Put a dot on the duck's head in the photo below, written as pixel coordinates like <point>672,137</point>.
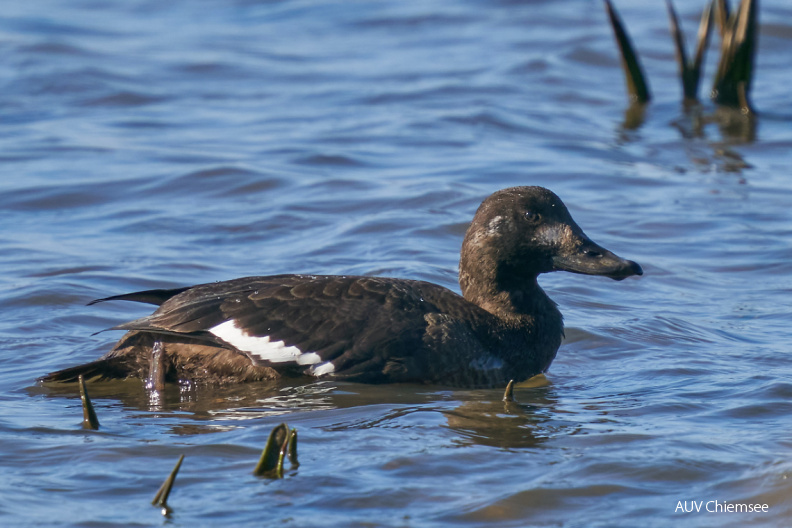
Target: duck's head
<point>520,232</point>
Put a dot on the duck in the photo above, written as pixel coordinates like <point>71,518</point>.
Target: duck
<point>371,329</point>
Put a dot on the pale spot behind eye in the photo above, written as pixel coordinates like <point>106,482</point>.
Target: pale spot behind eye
<point>494,225</point>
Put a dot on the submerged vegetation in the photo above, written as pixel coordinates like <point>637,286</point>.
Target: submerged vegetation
<point>90,421</point>
<point>281,442</point>
<point>161,498</point>
<point>733,77</point>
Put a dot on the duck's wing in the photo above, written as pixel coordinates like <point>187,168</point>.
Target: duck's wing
<point>321,324</point>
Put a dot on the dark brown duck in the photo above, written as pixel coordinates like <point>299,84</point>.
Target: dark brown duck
<point>375,329</point>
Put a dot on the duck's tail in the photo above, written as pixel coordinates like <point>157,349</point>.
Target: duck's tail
<point>126,359</point>
<point>156,297</point>
<point>101,369</point>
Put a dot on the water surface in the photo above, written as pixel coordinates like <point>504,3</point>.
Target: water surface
<point>150,144</point>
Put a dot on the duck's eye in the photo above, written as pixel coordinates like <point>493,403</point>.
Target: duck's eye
<point>532,217</point>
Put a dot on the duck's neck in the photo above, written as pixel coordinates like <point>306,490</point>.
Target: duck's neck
<point>530,319</point>
<point>506,289</point>
<point>518,301</point>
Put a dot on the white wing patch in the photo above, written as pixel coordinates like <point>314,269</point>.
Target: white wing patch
<point>267,350</point>
<point>321,370</point>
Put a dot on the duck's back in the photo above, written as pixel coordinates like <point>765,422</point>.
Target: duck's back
<point>367,329</point>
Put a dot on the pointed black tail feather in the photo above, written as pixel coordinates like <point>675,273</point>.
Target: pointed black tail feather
<point>156,297</point>
<point>102,369</point>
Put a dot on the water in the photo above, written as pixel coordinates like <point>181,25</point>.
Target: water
<point>159,144</point>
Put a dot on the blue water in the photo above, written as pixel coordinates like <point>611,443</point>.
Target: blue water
<point>161,144</point>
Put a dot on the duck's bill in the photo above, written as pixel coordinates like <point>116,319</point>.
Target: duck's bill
<point>592,259</point>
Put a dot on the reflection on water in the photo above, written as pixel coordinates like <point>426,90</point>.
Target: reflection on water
<point>696,125</point>
<point>479,417</point>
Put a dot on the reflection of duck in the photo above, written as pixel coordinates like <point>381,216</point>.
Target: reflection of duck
<point>473,416</point>
<point>484,419</point>
<point>373,329</point>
